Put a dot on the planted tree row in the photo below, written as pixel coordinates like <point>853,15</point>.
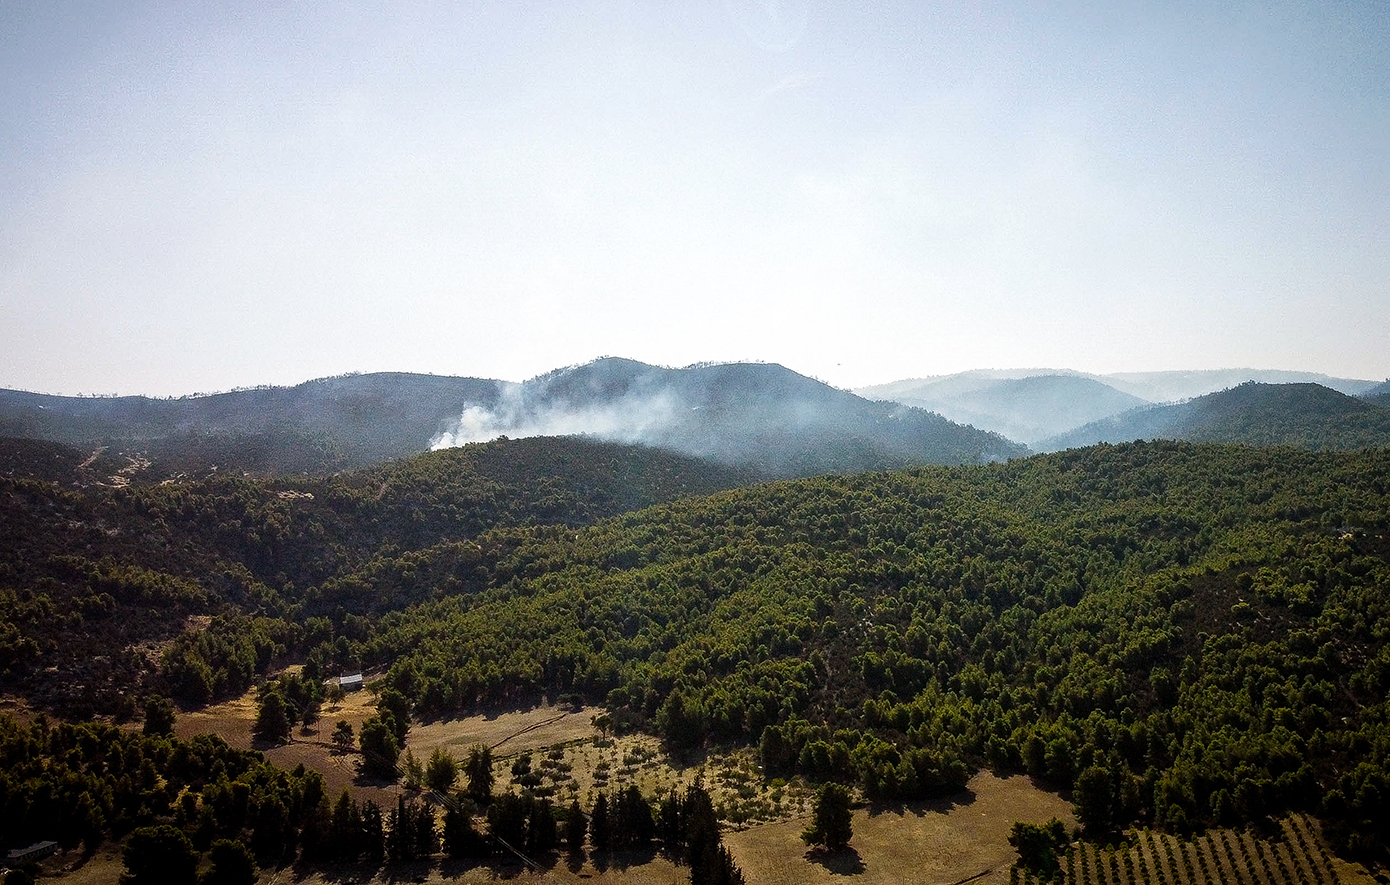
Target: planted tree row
<point>1297,856</point>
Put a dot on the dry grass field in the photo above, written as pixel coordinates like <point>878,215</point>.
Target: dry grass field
<point>232,721</point>
<point>950,842</point>
<point>572,757</point>
<point>933,842</point>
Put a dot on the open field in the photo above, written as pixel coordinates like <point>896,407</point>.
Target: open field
<point>232,721</point>
<point>568,753</point>
<point>948,842</point>
<point>965,837</point>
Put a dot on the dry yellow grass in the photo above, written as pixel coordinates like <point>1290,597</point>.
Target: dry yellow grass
<point>508,733</point>
<point>932,842</point>
<point>232,721</point>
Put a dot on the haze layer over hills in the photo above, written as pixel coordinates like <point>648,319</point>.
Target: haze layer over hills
<point>1121,621</point>
<point>1308,416</point>
<point>1034,406</point>
<point>759,416</point>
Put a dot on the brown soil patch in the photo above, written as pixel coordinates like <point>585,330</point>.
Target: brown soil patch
<point>311,746</point>
<point>941,842</point>
<point>507,733</point>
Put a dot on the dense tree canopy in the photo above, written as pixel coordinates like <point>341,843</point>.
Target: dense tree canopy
<point>1183,634</point>
<point>1199,630</point>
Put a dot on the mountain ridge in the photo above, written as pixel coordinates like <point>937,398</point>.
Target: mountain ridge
<point>1304,415</point>
<point>758,415</point>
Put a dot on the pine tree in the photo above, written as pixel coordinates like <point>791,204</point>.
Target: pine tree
<point>400,836</point>
<point>343,738</point>
<point>541,835</point>
<point>442,771</point>
<point>669,823</point>
<point>272,718</point>
<point>700,824</point>
<point>231,865</point>
<point>413,771</point>
<point>631,821</point>
<point>599,832</point>
<point>424,829</point>
<point>831,822</point>
<point>315,830</point>
<point>373,836</point>
<point>460,837</point>
<point>478,770</point>
<point>507,819</point>
<point>345,831</point>
<point>576,828</point>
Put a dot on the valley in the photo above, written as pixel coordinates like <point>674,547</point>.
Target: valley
<point>1177,648</point>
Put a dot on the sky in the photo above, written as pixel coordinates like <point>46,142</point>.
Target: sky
<point>198,197</point>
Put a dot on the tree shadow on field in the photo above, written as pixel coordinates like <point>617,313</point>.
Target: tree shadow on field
<point>574,861</point>
<point>923,807</point>
<point>624,858</point>
<point>339,873</point>
<point>845,862</point>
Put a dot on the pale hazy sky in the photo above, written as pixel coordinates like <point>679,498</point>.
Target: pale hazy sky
<point>195,197</point>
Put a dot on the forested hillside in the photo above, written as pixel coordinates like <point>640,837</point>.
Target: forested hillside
<point>317,426</point>
<point>756,415</point>
<point>1305,415</point>
<point>751,416</point>
<point>1181,634</point>
<point>1378,395</point>
<point>93,575</point>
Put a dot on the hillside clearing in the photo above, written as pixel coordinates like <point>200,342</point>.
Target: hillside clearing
<point>944,842</point>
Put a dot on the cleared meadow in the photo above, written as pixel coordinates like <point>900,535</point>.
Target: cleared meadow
<point>963,839</point>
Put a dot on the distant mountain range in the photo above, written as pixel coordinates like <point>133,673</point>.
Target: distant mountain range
<point>1026,409</point>
<point>749,415</point>
<point>756,417</point>
<point>1041,407</point>
<point>1308,416</point>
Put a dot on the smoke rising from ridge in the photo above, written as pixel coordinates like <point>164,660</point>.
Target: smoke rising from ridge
<point>643,418</point>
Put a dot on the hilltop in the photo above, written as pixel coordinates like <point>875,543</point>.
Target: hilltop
<point>1028,409</point>
<point>1304,415</point>
<point>1036,406</point>
<point>755,416</point>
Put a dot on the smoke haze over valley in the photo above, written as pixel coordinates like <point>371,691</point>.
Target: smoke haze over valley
<point>755,416</point>
<point>804,543</point>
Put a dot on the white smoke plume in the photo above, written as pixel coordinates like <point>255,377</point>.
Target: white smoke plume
<point>634,418</point>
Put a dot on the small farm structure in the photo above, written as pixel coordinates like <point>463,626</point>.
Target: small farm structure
<point>36,852</point>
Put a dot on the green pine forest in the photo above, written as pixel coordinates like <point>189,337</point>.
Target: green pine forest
<point>1181,635</point>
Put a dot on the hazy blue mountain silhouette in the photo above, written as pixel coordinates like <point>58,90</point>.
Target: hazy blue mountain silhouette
<point>754,415</point>
<point>330,423</point>
<point>1305,415</point>
<point>1027,409</point>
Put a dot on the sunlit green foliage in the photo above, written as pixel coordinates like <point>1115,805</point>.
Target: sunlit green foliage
<point>1186,634</point>
<point>1204,627</point>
